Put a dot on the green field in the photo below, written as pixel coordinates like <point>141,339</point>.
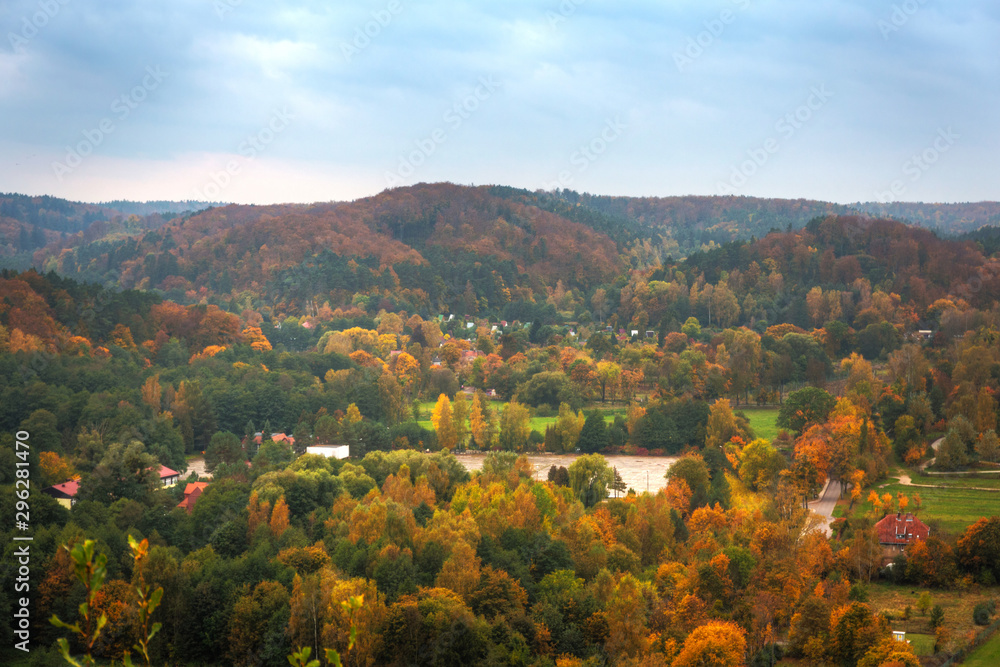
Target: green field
<point>957,481</point>
<point>763,421</point>
<point>986,655</point>
<point>922,644</point>
<point>955,508</point>
<point>537,423</point>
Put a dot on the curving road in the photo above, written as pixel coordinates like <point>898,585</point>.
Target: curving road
<point>930,461</point>
<point>825,503</point>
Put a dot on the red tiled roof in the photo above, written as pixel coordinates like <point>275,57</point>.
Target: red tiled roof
<point>192,492</point>
<point>167,472</point>
<point>276,437</point>
<point>70,488</point>
<point>901,529</point>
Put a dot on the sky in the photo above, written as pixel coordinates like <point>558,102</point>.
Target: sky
<point>254,101</point>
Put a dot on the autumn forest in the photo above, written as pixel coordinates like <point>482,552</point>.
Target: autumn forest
<point>354,398</point>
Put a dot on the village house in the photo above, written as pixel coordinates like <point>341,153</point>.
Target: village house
<point>192,492</point>
<point>169,477</point>
<point>897,531</point>
<point>65,493</point>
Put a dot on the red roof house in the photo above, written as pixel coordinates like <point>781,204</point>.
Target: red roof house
<point>169,477</point>
<point>896,531</point>
<point>192,492</point>
<point>258,438</point>
<point>65,493</point>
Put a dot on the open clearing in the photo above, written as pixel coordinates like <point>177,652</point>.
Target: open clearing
<point>635,470</point>
<point>763,421</point>
<point>957,606</point>
<point>954,508</point>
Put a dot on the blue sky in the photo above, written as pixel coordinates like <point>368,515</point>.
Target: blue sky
<point>258,102</point>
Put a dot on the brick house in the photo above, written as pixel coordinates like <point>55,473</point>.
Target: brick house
<point>897,531</point>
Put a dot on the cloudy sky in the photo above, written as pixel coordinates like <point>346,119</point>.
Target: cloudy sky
<point>258,101</point>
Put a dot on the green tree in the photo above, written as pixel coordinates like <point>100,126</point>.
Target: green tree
<point>694,472</point>
<point>590,476</point>
<point>223,448</point>
<point>515,427</point>
<point>691,328</point>
<point>810,405</point>
<point>594,434</point>
<point>460,417</point>
<point>126,471</point>
<point>760,465</point>
<point>303,438</point>
<point>951,453</point>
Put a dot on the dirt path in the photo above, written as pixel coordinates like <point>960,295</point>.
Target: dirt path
<point>930,461</point>
<point>906,480</point>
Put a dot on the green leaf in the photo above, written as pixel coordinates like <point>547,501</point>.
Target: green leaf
<point>64,652</point>
<point>333,657</point>
<point>56,621</point>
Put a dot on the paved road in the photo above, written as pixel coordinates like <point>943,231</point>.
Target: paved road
<point>825,504</point>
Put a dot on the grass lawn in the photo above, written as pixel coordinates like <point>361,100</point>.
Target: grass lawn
<point>922,644</point>
<point>955,508</point>
<point>537,423</point>
<point>956,603</point>
<point>958,481</point>
<point>986,655</point>
<point>763,421</point>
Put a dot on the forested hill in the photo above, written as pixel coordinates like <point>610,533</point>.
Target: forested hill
<point>944,218</point>
<point>468,250</point>
<point>428,247</point>
<point>29,223</point>
<point>691,222</point>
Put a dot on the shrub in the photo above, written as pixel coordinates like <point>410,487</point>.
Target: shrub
<point>982,612</point>
<point>937,616</point>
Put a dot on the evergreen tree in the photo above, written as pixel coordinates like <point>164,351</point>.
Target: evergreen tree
<point>594,435</point>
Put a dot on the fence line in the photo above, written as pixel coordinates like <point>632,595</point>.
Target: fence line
<point>981,637</point>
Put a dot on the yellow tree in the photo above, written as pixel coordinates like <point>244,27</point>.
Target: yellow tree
<point>721,424</point>
<point>608,375</point>
<point>568,426</point>
<point>460,417</point>
<point>444,423</point>
<point>717,643</point>
<point>481,422</point>
<point>461,572</point>
<point>257,340</point>
<point>279,517</point>
<point>55,469</point>
<point>515,427</point>
<point>407,369</point>
<point>151,393</point>
<point>353,415</point>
